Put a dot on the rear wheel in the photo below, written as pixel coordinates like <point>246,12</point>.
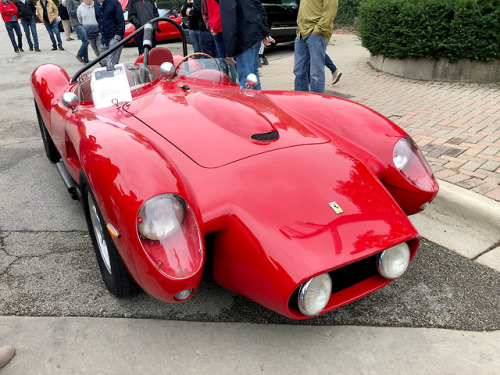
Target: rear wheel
<point>113,271</point>
<point>48,144</point>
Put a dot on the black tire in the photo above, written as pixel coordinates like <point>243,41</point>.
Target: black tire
<point>48,144</point>
<point>113,271</point>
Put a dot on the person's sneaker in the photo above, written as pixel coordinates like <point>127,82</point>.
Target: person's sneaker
<point>17,52</point>
<point>6,354</point>
<point>263,60</point>
<point>62,49</point>
<point>37,50</point>
<point>69,39</point>
<point>54,48</point>
<point>80,59</point>
<point>31,48</point>
<point>336,76</point>
<point>21,50</point>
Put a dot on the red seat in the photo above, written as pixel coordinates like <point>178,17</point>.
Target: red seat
<point>159,55</point>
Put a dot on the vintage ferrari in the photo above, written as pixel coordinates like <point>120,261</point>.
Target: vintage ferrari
<point>298,201</point>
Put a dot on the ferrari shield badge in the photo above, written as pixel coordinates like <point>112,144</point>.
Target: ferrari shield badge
<point>336,208</point>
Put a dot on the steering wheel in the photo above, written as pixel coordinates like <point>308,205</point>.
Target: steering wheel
<point>185,58</point>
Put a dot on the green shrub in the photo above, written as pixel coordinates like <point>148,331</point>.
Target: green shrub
<point>456,29</point>
<point>348,9</point>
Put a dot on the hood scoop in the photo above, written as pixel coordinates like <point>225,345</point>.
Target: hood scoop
<point>270,136</point>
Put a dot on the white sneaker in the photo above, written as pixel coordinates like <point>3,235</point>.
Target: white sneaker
<point>336,76</point>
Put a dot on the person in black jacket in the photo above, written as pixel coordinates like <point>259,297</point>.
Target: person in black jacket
<point>109,16</point>
<point>194,15</point>
<point>139,13</point>
<point>244,27</point>
<point>27,15</point>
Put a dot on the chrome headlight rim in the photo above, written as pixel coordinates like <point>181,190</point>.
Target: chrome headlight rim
<point>304,294</point>
<point>398,253</point>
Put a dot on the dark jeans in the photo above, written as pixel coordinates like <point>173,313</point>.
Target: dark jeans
<point>329,63</point>
<point>219,43</point>
<point>207,44</point>
<point>53,28</point>
<point>194,37</point>
<point>27,26</point>
<point>13,26</point>
<point>83,52</point>
<point>139,40</point>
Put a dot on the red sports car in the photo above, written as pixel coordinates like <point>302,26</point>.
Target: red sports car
<point>298,201</point>
<point>166,31</point>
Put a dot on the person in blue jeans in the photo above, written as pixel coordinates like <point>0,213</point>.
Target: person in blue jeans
<point>48,14</point>
<point>314,30</point>
<point>244,28</point>
<point>193,12</point>
<point>27,14</point>
<point>9,16</point>
<point>83,53</point>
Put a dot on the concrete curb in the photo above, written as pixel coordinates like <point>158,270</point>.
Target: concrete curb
<point>145,346</point>
<point>464,221</point>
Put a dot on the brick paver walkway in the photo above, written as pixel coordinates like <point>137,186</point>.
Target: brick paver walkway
<point>456,125</point>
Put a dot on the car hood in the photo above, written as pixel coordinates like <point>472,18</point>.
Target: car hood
<point>218,127</point>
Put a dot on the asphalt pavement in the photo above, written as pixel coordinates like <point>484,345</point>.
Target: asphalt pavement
<point>442,316</point>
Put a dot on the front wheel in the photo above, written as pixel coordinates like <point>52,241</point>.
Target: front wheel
<point>48,144</point>
<point>113,271</point>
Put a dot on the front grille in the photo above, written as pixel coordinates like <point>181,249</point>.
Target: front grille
<point>347,276</point>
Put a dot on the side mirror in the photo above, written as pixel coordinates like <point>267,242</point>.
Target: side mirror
<point>251,81</point>
<point>168,70</point>
<point>70,100</point>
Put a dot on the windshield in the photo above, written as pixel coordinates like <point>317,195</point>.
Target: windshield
<point>217,70</point>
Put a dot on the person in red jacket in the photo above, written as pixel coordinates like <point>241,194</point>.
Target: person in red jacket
<point>9,16</point>
<point>210,10</point>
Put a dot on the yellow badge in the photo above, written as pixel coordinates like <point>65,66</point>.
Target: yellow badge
<point>336,208</point>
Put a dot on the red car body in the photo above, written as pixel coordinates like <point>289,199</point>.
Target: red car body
<point>260,172</point>
<point>166,31</point>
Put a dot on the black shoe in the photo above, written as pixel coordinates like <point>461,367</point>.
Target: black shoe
<point>31,48</point>
<point>80,59</point>
<point>20,49</point>
<point>54,48</point>
<point>263,60</point>
<point>37,50</point>
<point>62,49</point>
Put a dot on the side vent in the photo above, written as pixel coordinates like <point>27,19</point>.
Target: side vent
<point>271,136</point>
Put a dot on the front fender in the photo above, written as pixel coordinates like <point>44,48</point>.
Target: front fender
<point>124,170</point>
<point>48,82</point>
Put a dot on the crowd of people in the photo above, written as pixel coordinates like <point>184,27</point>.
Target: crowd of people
<point>233,29</point>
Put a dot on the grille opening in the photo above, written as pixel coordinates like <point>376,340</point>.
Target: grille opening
<point>347,276</point>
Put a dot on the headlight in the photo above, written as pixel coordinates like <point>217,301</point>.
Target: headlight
<point>160,217</point>
<point>315,294</point>
<point>171,237</point>
<point>412,164</point>
<point>394,261</point>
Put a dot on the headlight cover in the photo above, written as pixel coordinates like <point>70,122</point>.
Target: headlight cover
<point>170,235</point>
<point>160,217</point>
<point>394,261</point>
<point>315,294</point>
<point>410,162</point>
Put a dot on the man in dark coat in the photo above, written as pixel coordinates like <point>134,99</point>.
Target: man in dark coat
<point>27,15</point>
<point>109,15</point>
<point>244,27</point>
<point>141,12</point>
